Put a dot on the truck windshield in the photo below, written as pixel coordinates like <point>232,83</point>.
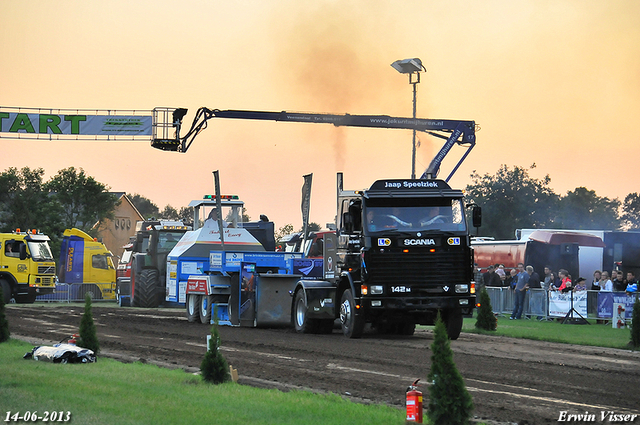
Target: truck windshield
<point>40,251</point>
<point>415,215</point>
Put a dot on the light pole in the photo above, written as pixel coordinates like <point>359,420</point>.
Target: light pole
<point>412,67</point>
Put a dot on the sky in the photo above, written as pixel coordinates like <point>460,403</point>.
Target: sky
<point>555,83</point>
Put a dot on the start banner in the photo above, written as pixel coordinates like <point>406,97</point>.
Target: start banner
<point>73,124</point>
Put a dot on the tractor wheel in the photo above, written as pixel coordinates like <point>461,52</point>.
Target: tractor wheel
<point>146,292</point>
<point>453,321</point>
<point>205,308</point>
<point>352,323</point>
<point>6,290</point>
<point>193,305</point>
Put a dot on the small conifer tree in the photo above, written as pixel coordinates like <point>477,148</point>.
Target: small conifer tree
<point>635,325</point>
<point>486,319</point>
<point>88,337</point>
<point>4,324</point>
<point>214,367</point>
<point>449,401</point>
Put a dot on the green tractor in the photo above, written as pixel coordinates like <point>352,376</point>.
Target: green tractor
<point>154,240</point>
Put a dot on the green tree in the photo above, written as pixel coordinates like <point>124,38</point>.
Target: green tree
<point>631,211</point>
<point>449,400</point>
<point>4,323</point>
<point>186,215</point>
<point>84,202</point>
<point>486,319</point>
<point>169,213</point>
<point>24,202</point>
<point>144,205</point>
<point>88,336</point>
<point>214,367</point>
<point>283,231</point>
<point>583,209</point>
<point>511,199</point>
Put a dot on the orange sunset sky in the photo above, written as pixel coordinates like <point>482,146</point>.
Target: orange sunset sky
<point>551,82</point>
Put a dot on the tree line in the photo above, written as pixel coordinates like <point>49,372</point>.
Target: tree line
<point>511,199</point>
<point>69,199</point>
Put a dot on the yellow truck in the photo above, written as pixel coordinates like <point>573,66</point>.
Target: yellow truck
<point>27,267</point>
<point>86,267</point>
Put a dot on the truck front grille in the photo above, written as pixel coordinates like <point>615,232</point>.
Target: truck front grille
<point>418,269</point>
<point>46,270</point>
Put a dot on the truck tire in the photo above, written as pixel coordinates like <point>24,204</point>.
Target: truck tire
<point>146,292</point>
<point>6,290</point>
<point>453,322</point>
<point>193,306</point>
<point>406,328</point>
<point>92,290</point>
<point>29,298</point>
<point>352,323</point>
<point>300,320</point>
<point>205,308</point>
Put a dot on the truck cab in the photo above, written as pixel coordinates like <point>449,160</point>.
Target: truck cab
<point>404,255</point>
<point>27,267</point>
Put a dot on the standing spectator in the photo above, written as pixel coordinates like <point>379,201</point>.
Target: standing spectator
<point>632,283</point>
<point>520,291</point>
<point>614,275</point>
<point>490,278</point>
<point>605,282</point>
<point>534,278</point>
<point>619,285</point>
<point>553,282</point>
<point>580,284</point>
<point>548,278</point>
<point>595,284</point>
<point>500,270</point>
<point>565,280</point>
<point>512,279</point>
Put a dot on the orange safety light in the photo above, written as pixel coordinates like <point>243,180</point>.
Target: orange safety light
<point>364,289</point>
<point>432,250</point>
<point>33,231</point>
<point>473,288</point>
<point>18,230</point>
<point>405,250</point>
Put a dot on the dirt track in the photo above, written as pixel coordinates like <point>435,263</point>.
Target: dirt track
<point>510,380</point>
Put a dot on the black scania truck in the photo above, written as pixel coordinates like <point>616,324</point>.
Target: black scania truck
<point>403,254</point>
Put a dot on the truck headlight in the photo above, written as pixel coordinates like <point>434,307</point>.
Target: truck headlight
<point>462,288</point>
<point>464,302</point>
<point>376,289</point>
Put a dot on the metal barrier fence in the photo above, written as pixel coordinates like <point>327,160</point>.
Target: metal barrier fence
<point>543,305</point>
<point>73,292</point>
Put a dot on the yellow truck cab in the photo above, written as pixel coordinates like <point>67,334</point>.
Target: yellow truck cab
<point>27,267</point>
<point>86,265</point>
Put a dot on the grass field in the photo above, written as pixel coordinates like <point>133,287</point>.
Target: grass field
<point>109,392</point>
<point>595,334</point>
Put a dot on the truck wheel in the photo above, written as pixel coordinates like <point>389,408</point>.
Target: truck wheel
<point>453,322</point>
<point>146,292</point>
<point>6,291</point>
<point>352,324</point>
<point>406,328</point>
<point>193,304</point>
<point>29,298</point>
<point>205,308</point>
<point>92,290</point>
<point>300,320</point>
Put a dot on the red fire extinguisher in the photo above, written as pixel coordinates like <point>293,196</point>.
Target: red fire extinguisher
<point>414,403</point>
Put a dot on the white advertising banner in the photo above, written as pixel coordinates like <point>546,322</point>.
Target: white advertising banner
<point>560,303</point>
<point>75,124</point>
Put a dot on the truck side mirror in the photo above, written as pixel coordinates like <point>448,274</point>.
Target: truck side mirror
<point>23,252</point>
<point>477,216</point>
